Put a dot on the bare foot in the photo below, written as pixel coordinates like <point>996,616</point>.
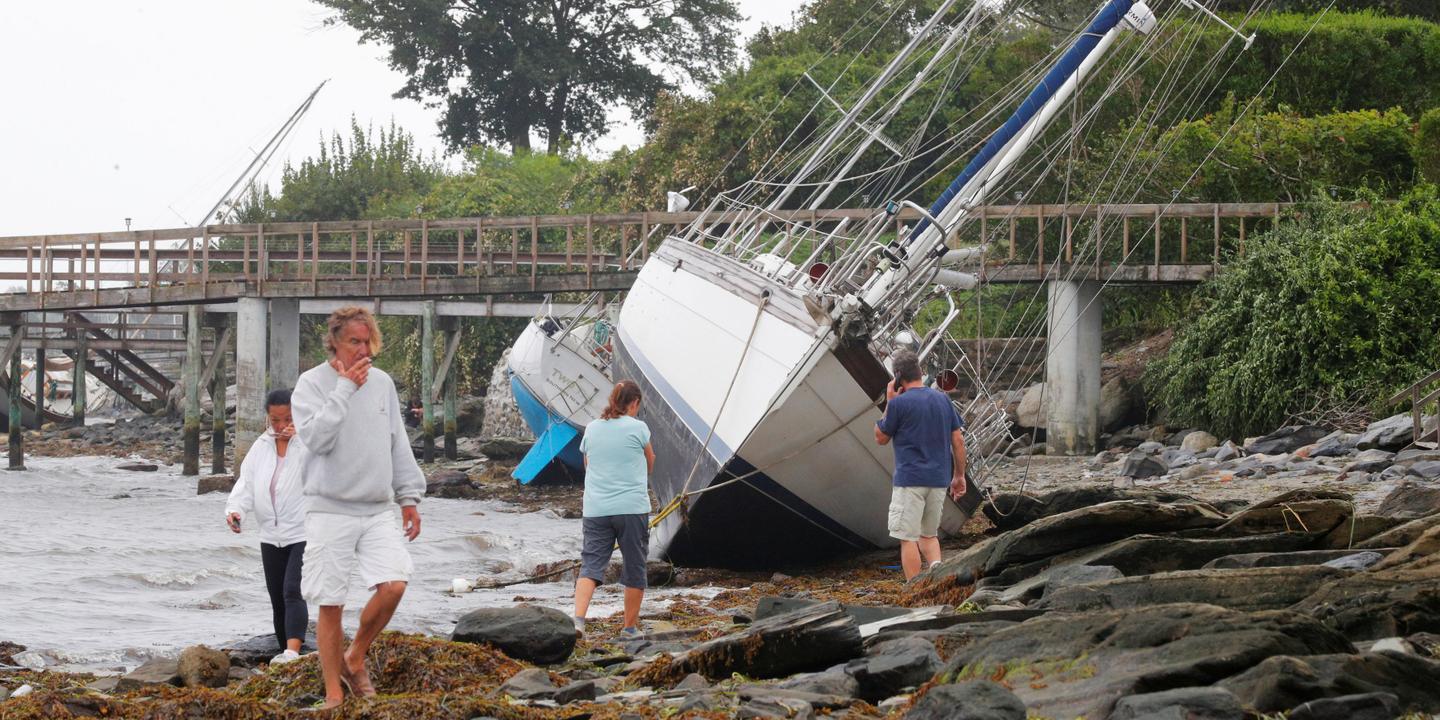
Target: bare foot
<point>356,677</point>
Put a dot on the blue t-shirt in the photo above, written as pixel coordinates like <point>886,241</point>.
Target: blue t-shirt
<point>919,422</point>
<point>616,480</point>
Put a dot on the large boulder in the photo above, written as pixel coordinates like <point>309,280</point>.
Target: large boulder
<point>1282,559</point>
<point>1198,442</point>
<point>1369,461</point>
<point>1424,549</point>
<point>1311,512</point>
<point>804,640</point>
<point>1392,433</point>
<point>1114,405</point>
<point>1281,683</point>
<point>1082,664</point>
<point>1073,530</point>
<point>1013,510</point>
<point>972,700</point>
<point>155,671</point>
<point>1269,588</point>
<point>1378,604</point>
<point>1139,464</point>
<point>1147,555</point>
<point>255,651</point>
<point>1286,440</point>
<point>1367,706</point>
<point>1031,413</point>
<point>531,633</point>
<point>1336,444</point>
<point>1192,703</point>
<point>1411,499</point>
<point>892,666</point>
<point>450,483</point>
<point>201,666</point>
<point>530,684</point>
<point>214,484</point>
<point>1400,535</point>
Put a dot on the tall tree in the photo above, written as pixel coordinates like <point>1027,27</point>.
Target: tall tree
<point>502,69</point>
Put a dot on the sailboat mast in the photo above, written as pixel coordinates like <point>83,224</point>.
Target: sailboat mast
<point>821,150</point>
<point>1012,139</point>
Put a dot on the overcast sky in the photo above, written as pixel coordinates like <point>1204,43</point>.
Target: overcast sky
<point>149,109</point>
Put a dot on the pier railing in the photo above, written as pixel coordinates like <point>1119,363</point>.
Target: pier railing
<point>1028,244</point>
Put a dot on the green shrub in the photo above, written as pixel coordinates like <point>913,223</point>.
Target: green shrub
<point>1427,146</point>
<point>1334,305</point>
<point>1277,156</point>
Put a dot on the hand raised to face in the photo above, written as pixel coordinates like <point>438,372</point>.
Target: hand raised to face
<point>356,373</point>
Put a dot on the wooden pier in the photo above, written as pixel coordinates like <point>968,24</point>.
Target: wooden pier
<point>245,285</point>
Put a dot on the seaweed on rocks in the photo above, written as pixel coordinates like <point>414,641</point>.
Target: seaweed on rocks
<point>399,665</point>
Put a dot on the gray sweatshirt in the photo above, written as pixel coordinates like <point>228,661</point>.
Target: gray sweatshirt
<point>360,458</point>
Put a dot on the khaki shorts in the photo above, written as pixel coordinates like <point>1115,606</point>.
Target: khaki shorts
<point>915,512</point>
<point>337,546</point>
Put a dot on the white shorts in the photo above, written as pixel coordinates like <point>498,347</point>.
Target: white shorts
<point>915,512</point>
<point>338,545</point>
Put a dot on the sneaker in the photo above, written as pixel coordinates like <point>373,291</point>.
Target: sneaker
<point>579,623</point>
<point>285,657</point>
<point>631,633</point>
<point>935,564</point>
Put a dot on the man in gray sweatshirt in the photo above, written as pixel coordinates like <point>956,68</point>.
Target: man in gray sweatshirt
<point>348,414</point>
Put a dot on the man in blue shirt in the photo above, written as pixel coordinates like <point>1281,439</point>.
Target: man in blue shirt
<point>929,457</point>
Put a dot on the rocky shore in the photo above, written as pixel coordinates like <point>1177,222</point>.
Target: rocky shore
<point>1093,601</point>
<point>1293,575</point>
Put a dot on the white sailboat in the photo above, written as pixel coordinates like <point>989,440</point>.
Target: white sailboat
<point>764,367</point>
<point>559,370</point>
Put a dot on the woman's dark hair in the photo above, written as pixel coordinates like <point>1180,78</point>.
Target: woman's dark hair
<point>625,392</point>
<point>277,397</point>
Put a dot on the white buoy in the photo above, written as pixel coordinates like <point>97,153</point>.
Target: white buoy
<point>461,585</point>
<point>22,691</point>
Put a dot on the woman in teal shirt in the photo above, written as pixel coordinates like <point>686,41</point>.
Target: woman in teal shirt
<point>616,506</point>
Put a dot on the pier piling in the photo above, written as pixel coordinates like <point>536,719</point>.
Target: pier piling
<point>250,362</point>
<point>451,329</point>
<point>78,397</point>
<point>39,385</point>
<point>217,396</point>
<point>427,380</point>
<point>17,451</point>
<point>192,390</point>
<point>284,354</point>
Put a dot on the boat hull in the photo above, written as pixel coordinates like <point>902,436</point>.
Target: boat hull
<point>780,446</point>
<point>559,391</point>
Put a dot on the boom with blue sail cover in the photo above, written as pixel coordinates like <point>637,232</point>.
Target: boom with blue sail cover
<point>1013,137</point>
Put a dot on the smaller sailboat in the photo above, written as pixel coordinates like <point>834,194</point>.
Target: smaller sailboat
<point>559,370</point>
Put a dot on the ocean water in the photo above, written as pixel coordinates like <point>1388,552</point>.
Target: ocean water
<point>101,569</point>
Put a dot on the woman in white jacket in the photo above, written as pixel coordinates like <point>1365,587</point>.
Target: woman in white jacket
<point>270,485</point>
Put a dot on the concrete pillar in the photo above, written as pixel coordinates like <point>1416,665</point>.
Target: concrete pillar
<point>427,380</point>
<point>452,450</point>
<point>251,359</point>
<point>217,405</point>
<point>78,373</point>
<point>39,419</point>
<point>17,450</point>
<point>194,365</point>
<point>1072,368</point>
<point>284,353</point>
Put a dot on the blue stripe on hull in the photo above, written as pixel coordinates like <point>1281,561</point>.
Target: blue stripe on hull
<point>542,422</point>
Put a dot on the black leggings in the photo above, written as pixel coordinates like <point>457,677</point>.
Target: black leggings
<point>282,579</point>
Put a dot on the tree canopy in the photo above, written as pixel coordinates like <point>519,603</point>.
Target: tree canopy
<point>502,69</point>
